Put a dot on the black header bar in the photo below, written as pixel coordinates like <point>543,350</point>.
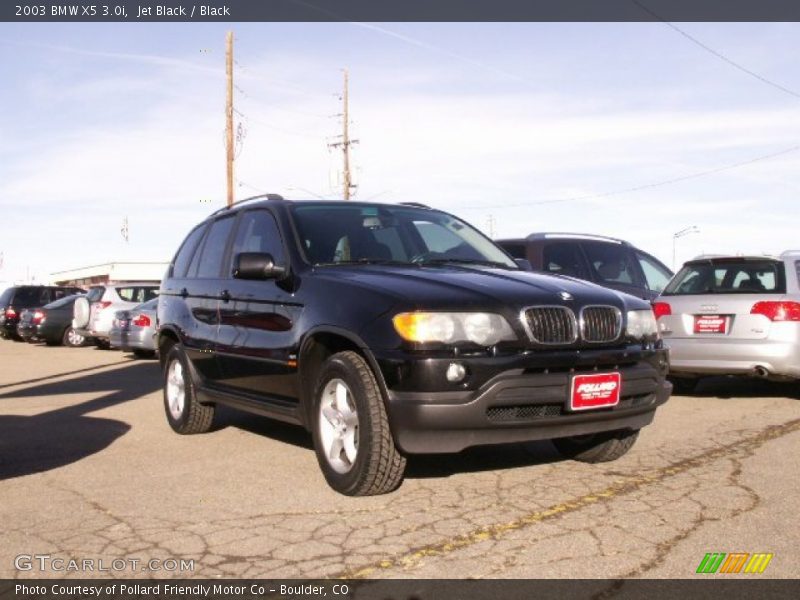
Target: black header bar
<point>143,11</point>
<point>711,586</point>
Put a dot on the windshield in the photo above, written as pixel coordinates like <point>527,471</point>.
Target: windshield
<point>335,233</point>
<point>729,276</point>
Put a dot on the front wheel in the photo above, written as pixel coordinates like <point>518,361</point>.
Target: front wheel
<point>184,413</point>
<point>597,447</point>
<point>352,439</point>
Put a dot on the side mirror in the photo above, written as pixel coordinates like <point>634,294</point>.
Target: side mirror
<point>524,264</point>
<point>256,265</point>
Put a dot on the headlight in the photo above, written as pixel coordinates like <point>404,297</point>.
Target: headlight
<point>484,329</point>
<point>642,324</point>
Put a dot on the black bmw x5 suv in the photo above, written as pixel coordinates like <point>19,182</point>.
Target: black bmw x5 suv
<point>389,330</point>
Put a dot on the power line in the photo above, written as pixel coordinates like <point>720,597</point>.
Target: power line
<point>645,186</point>
<point>719,55</point>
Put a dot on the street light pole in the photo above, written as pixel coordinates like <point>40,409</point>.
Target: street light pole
<point>680,234</point>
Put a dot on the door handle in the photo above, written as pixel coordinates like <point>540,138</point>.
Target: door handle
<point>183,293</point>
<point>225,295</point>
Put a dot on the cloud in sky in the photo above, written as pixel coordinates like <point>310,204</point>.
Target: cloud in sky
<point>477,119</point>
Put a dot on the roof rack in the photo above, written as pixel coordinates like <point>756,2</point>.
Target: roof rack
<point>415,204</point>
<point>243,200</point>
<point>580,236</point>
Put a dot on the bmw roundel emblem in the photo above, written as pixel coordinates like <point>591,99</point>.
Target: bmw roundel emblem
<point>565,296</point>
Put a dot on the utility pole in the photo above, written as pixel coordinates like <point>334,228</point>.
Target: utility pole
<point>229,114</point>
<point>491,226</point>
<point>346,141</point>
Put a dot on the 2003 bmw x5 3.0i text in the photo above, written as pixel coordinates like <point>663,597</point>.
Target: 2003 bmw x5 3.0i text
<point>389,330</point>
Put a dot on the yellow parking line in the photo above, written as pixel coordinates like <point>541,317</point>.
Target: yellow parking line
<point>618,488</point>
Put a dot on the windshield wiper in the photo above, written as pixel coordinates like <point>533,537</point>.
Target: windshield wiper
<point>466,261</point>
<point>367,261</point>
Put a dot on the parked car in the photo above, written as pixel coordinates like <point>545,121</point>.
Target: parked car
<point>134,330</point>
<point>389,330</point>
<point>28,323</point>
<point>19,297</point>
<point>609,262</point>
<point>51,324</point>
<point>94,314</point>
<point>733,315</point>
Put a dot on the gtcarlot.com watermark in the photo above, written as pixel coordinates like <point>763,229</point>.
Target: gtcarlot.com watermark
<point>59,564</point>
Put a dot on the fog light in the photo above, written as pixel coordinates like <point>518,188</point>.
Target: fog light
<point>455,372</point>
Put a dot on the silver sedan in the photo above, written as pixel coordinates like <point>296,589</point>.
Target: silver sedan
<point>133,330</point>
<point>733,315</point>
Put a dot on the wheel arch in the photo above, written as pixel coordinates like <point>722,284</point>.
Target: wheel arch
<point>166,336</point>
<point>317,346</point>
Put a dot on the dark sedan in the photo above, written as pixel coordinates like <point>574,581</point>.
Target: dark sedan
<point>53,324</point>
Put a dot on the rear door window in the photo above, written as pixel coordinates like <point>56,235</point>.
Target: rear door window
<point>611,263</point>
<point>184,256</point>
<point>564,258</point>
<point>729,276</point>
<point>58,293</point>
<point>210,265</point>
<point>5,298</point>
<point>31,296</point>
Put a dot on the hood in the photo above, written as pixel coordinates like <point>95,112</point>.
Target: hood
<point>458,287</point>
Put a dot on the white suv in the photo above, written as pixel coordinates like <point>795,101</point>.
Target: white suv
<point>93,314</point>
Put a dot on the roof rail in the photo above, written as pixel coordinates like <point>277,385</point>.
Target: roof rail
<point>243,200</point>
<point>580,236</point>
<point>415,204</point>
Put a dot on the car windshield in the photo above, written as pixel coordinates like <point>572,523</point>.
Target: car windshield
<point>137,293</point>
<point>337,233</point>
<point>729,276</point>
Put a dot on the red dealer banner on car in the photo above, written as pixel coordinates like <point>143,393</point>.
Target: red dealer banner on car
<point>710,324</point>
<point>595,391</point>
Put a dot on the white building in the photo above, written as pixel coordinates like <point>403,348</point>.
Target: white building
<point>113,272</point>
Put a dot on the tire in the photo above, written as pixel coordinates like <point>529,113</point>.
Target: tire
<point>352,439</point>
<point>684,385</point>
<point>72,338</point>
<point>184,413</point>
<point>597,447</point>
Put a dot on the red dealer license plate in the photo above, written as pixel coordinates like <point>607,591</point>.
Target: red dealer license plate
<point>595,391</point>
<point>710,324</point>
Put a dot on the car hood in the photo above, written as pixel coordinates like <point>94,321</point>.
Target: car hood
<point>450,287</point>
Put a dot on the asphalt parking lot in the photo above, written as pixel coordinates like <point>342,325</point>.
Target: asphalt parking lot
<point>89,469</point>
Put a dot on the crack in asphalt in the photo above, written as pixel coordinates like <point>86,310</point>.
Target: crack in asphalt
<point>412,558</point>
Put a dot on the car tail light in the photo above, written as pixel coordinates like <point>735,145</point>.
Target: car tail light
<point>142,321</point>
<point>103,304</point>
<point>10,313</point>
<point>662,309</point>
<point>38,315</point>
<point>777,311</point>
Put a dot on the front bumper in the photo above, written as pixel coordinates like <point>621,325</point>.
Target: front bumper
<point>524,404</point>
<point>709,356</point>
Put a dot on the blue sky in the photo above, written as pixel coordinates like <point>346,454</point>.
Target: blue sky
<point>538,125</point>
